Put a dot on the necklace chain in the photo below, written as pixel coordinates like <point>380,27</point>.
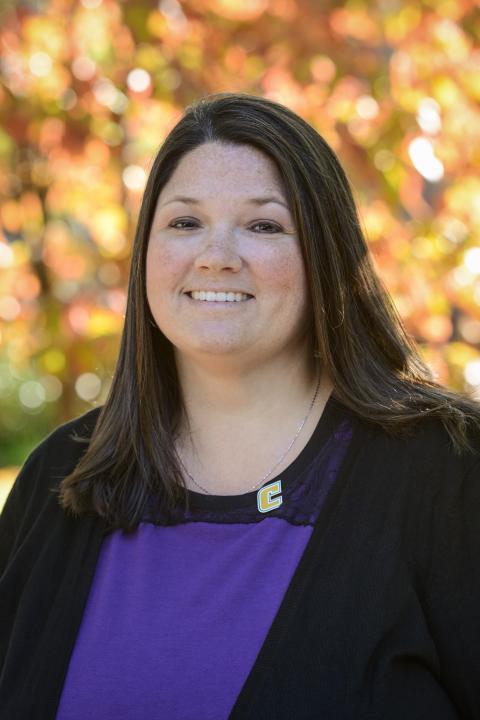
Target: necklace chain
<point>262,480</point>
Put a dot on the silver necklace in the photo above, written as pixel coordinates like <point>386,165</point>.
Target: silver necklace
<point>260,482</point>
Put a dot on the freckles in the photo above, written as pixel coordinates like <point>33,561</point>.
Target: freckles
<point>162,259</point>
<point>285,269</point>
<point>169,259</point>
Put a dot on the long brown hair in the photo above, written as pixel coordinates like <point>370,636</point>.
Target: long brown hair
<point>356,333</point>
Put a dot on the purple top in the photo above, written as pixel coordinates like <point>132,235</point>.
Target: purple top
<point>177,614</point>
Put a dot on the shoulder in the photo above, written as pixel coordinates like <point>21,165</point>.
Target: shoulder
<point>419,470</point>
<point>420,485</point>
<point>34,491</point>
<point>426,444</point>
<point>67,433</point>
<point>437,455</point>
<point>55,457</point>
<point>67,441</point>
<point>422,472</point>
<point>64,445</point>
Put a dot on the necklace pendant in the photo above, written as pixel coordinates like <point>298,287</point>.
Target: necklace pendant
<point>269,496</point>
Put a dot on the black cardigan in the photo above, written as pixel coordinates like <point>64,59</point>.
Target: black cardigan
<point>381,619</point>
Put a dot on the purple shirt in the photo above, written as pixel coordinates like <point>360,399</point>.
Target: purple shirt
<point>177,614</point>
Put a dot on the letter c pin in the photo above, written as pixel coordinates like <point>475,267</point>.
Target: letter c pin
<point>269,497</point>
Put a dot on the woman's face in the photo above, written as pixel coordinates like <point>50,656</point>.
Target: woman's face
<point>222,225</point>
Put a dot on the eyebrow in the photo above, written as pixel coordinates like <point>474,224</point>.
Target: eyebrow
<point>253,201</point>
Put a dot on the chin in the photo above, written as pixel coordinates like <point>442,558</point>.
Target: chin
<point>220,347</point>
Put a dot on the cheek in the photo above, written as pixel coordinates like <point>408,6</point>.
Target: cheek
<point>285,276</point>
<point>163,266</point>
<point>284,272</point>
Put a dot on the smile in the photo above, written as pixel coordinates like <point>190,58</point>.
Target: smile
<point>219,301</point>
<point>221,296</point>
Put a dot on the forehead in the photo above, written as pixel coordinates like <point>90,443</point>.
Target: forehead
<point>220,167</point>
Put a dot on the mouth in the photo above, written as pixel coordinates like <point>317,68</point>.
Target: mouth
<point>219,298</point>
<point>219,303</point>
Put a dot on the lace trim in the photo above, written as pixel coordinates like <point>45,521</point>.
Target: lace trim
<point>303,497</point>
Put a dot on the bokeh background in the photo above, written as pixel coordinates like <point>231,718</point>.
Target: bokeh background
<point>88,91</point>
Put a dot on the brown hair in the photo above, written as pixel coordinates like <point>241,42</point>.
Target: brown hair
<point>356,333</point>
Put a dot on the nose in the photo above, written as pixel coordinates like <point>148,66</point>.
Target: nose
<point>219,252</point>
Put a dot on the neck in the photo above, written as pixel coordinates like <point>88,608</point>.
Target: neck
<point>239,423</point>
<point>243,396</point>
<point>230,412</point>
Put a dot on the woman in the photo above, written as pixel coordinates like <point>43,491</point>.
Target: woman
<point>276,512</point>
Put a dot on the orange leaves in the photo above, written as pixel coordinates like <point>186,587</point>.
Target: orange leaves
<point>356,22</point>
<point>108,226</point>
<point>89,90</point>
<point>87,320</point>
<point>43,33</point>
<point>65,257</point>
<point>239,10</point>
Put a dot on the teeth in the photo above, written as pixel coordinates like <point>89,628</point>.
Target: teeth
<point>218,296</point>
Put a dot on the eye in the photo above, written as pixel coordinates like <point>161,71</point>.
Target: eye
<point>185,222</point>
<point>266,226</point>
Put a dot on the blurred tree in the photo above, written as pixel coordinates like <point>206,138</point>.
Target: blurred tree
<point>88,91</point>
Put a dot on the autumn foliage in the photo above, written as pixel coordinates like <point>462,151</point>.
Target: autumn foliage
<point>88,91</point>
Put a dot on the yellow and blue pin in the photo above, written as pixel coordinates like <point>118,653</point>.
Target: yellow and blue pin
<point>269,496</point>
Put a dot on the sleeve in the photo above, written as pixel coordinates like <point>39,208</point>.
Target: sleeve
<point>452,582</point>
